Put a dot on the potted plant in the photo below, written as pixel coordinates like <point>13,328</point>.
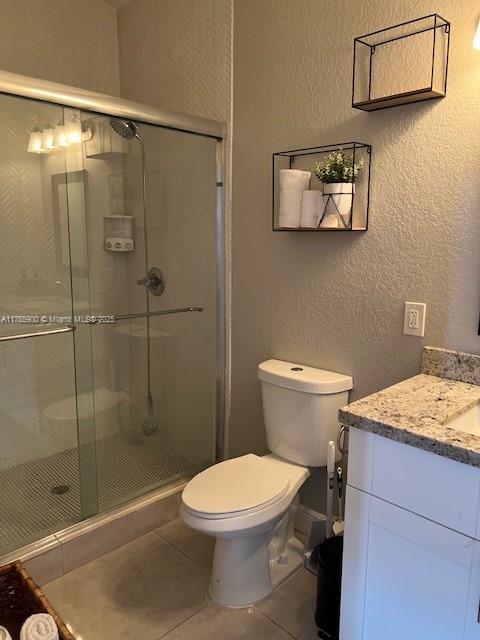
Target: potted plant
<point>338,173</point>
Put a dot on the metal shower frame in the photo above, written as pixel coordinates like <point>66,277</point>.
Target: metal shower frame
<point>90,101</point>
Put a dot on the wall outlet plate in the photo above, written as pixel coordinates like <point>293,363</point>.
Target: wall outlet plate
<point>414,319</point>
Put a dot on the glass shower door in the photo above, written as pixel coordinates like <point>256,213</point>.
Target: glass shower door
<point>181,181</point>
<point>118,395</point>
<point>39,455</point>
<point>152,192</point>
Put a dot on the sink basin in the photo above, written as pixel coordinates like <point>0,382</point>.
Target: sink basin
<point>468,422</point>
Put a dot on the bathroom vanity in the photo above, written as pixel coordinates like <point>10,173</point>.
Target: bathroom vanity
<point>411,566</point>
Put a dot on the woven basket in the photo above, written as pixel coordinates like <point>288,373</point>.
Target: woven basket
<point>21,597</point>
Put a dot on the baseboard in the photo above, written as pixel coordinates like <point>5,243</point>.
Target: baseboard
<point>305,517</point>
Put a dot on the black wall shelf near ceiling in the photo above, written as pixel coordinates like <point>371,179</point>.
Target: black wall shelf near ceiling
<point>313,206</point>
<point>401,64</point>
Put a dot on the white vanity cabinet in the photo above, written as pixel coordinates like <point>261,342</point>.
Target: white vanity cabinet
<point>411,566</point>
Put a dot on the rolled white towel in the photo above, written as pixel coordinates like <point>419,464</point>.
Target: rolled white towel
<point>294,180</point>
<point>40,626</point>
<point>4,635</point>
<point>310,211</point>
<point>289,214</point>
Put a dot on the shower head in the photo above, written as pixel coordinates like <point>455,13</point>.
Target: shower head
<point>125,128</point>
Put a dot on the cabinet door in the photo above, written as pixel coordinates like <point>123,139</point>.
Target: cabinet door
<point>472,626</point>
<point>403,576</point>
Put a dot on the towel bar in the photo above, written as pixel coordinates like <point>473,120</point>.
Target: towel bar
<point>37,334</point>
<point>149,314</point>
<point>127,316</point>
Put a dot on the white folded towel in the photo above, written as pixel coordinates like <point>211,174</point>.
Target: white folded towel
<point>4,635</point>
<point>40,626</point>
<point>294,179</point>
<point>293,183</point>
<point>310,211</point>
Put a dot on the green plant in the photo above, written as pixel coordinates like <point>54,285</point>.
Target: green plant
<point>337,167</point>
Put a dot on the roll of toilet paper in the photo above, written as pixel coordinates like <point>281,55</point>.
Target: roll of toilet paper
<point>310,209</point>
<point>290,204</point>
<point>294,180</point>
<point>293,183</point>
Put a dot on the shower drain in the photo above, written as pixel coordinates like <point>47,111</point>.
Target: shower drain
<point>60,489</point>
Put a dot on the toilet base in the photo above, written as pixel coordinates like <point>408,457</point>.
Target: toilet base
<point>243,574</point>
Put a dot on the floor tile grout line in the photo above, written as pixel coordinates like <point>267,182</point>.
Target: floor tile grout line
<point>174,546</point>
<point>165,635</point>
<point>276,624</point>
<point>182,622</point>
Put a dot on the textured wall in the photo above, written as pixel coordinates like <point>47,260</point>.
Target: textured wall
<point>177,54</point>
<point>336,300</point>
<point>69,41</point>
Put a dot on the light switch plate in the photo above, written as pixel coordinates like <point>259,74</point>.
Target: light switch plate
<point>414,319</point>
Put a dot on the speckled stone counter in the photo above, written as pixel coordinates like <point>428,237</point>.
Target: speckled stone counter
<point>454,365</point>
<point>416,411</point>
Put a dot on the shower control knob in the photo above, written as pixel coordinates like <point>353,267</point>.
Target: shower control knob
<point>154,281</point>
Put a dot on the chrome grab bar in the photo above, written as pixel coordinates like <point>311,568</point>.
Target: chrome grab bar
<point>37,334</point>
<point>149,314</point>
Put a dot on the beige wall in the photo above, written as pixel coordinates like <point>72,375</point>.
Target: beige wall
<point>69,41</point>
<point>336,300</point>
<point>177,54</point>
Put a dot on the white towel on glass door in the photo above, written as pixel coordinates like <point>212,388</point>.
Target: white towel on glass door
<point>293,183</point>
<point>4,635</point>
<point>40,626</point>
<point>310,209</point>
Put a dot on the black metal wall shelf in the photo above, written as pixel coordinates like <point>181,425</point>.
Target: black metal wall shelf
<point>401,64</point>
<point>339,206</point>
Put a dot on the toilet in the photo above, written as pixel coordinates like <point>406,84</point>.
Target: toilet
<point>248,503</point>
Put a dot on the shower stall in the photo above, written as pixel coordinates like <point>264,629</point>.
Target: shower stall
<point>111,280</point>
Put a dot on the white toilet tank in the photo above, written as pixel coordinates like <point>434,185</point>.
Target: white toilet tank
<point>300,409</point>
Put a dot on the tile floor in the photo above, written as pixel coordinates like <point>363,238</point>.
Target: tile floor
<point>157,587</point>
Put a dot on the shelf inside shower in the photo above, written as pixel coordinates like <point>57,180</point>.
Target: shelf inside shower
<point>30,509</point>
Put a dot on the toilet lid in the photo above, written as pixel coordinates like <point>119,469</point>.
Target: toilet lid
<point>241,484</point>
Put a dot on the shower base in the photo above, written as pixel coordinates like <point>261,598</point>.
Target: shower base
<point>125,468</point>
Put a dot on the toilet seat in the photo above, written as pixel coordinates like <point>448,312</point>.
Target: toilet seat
<point>236,487</point>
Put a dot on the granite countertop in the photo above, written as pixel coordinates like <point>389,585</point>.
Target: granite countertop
<point>416,411</point>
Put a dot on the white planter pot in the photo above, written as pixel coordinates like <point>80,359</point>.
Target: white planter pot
<point>339,200</point>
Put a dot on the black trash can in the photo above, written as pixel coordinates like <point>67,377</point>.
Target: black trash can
<point>327,615</point>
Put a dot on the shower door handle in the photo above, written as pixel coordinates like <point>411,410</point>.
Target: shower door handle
<point>154,281</point>
<point>145,314</point>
